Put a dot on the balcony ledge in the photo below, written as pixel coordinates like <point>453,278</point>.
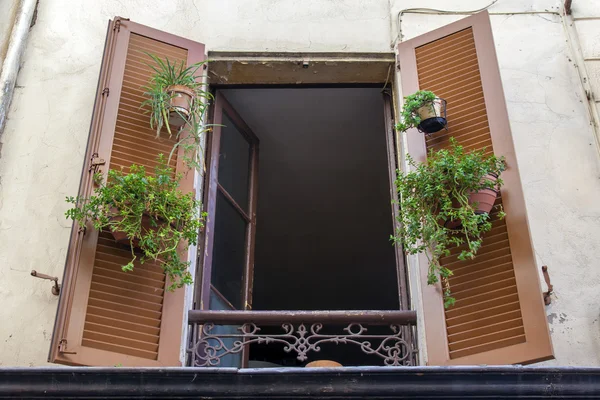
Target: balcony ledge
<point>299,383</point>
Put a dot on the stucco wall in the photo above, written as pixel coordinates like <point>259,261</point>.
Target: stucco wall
<point>46,133</point>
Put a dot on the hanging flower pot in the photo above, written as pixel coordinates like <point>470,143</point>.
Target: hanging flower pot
<point>148,224</point>
<point>482,201</point>
<point>146,211</point>
<point>171,93</point>
<point>423,110</point>
<point>432,116</point>
<point>180,104</point>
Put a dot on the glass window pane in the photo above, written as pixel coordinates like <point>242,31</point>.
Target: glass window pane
<point>234,162</point>
<point>229,252</point>
<point>229,360</point>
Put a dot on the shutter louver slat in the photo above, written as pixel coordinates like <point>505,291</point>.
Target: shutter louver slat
<point>498,344</point>
<point>443,66</point>
<point>467,318</point>
<point>107,343</point>
<point>481,272</point>
<point>128,325</point>
<point>475,332</point>
<point>124,276</point>
<point>107,308</point>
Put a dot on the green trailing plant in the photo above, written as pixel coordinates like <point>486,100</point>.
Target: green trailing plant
<point>409,117</point>
<point>123,202</point>
<point>437,191</point>
<point>168,73</point>
<point>191,140</point>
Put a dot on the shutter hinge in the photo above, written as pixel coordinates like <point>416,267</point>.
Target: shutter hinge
<point>95,162</point>
<point>105,91</point>
<point>117,23</point>
<point>62,347</point>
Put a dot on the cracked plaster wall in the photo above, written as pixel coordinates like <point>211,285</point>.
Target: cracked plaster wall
<point>45,137</point>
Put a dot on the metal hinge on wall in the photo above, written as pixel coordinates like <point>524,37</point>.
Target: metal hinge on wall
<point>55,287</point>
<point>62,347</point>
<point>547,298</point>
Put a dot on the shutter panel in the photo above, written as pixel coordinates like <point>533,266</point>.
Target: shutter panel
<point>499,316</point>
<point>106,316</point>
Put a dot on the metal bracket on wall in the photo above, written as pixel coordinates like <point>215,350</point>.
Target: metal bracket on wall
<point>55,288</point>
<point>547,298</point>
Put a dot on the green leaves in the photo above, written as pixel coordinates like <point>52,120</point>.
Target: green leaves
<point>158,105</point>
<point>167,73</point>
<point>438,191</point>
<point>409,118</point>
<point>127,199</point>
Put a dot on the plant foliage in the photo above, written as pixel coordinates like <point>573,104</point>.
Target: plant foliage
<point>124,199</point>
<point>167,73</point>
<point>437,191</point>
<point>158,105</point>
<point>409,118</point>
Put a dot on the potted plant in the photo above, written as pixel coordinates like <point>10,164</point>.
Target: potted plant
<point>445,202</point>
<point>148,213</point>
<point>191,140</point>
<point>173,93</point>
<point>423,110</point>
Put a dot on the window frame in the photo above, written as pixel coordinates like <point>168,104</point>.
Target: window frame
<point>212,188</point>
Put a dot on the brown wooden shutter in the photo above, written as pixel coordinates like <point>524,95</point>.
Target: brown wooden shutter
<point>499,316</point>
<point>108,317</point>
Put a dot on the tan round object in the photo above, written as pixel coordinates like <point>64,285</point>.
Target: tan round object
<point>323,364</point>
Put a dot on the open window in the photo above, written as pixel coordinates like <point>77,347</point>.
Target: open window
<point>310,228</point>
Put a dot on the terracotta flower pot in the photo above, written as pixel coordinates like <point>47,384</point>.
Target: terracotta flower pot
<point>182,98</point>
<point>433,116</point>
<point>482,201</point>
<point>485,198</point>
<point>122,238</point>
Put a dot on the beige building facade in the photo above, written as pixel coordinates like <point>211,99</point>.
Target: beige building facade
<point>550,68</point>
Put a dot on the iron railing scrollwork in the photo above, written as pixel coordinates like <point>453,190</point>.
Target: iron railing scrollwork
<point>302,332</point>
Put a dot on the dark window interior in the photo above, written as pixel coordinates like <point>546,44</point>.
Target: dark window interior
<point>324,213</point>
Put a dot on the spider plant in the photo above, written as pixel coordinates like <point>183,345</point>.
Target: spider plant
<point>168,74</point>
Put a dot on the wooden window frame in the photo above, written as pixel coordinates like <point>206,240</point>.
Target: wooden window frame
<point>213,187</point>
<point>537,347</point>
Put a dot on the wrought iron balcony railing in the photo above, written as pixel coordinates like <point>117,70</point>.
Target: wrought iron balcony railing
<point>386,336</point>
